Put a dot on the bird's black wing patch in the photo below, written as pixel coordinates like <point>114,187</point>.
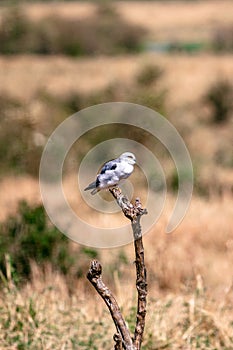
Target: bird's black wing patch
<point>108,166</point>
<point>97,182</point>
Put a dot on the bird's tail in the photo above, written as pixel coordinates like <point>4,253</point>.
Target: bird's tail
<point>92,186</point>
<point>95,191</point>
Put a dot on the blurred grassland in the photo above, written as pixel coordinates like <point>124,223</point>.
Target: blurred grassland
<point>45,92</point>
<point>190,291</point>
<point>45,300</point>
<point>102,32</point>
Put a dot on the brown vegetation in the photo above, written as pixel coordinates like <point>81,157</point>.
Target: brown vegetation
<point>190,292</point>
<point>190,280</point>
<point>163,20</point>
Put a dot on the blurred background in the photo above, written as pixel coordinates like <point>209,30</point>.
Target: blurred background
<point>58,57</point>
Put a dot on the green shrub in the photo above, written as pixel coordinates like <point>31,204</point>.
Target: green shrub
<point>14,32</point>
<point>219,98</point>
<point>29,236</point>
<point>174,179</point>
<point>18,151</point>
<point>104,32</point>
<point>154,99</point>
<point>90,252</point>
<point>149,74</point>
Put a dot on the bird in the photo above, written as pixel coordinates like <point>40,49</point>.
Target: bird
<point>112,172</point>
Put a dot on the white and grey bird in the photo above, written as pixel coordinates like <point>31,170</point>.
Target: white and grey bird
<point>112,172</point>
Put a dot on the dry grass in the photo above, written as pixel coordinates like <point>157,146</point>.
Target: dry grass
<point>202,243</point>
<point>190,292</point>
<point>61,75</point>
<point>190,271</point>
<point>179,20</point>
<point>189,74</point>
<point>186,77</point>
<point>50,319</point>
<point>70,10</point>
<point>14,190</point>
<point>176,20</point>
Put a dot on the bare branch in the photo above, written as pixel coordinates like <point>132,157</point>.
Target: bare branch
<point>141,284</point>
<point>122,338</point>
<point>134,213</point>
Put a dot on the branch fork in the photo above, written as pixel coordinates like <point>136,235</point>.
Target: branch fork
<point>132,212</point>
<point>123,338</point>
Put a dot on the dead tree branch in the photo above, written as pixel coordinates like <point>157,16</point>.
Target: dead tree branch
<point>122,338</point>
<point>134,213</point>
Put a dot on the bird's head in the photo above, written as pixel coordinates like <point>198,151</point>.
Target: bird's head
<point>129,157</point>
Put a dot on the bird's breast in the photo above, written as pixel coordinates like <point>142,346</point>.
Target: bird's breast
<point>125,168</point>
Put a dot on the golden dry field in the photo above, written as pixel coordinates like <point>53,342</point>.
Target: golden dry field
<point>62,75</point>
<point>190,291</point>
<point>175,19</point>
<point>190,278</point>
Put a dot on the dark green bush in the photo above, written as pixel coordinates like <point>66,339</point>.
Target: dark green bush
<point>15,29</point>
<point>149,75</point>
<point>174,179</point>
<point>90,252</point>
<point>29,236</point>
<point>150,98</point>
<point>104,32</point>
<point>18,151</point>
<point>219,98</point>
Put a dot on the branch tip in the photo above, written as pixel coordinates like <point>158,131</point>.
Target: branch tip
<point>95,269</point>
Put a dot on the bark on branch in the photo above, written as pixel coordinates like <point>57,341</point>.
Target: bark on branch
<point>134,213</point>
<point>122,338</point>
<point>123,334</point>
